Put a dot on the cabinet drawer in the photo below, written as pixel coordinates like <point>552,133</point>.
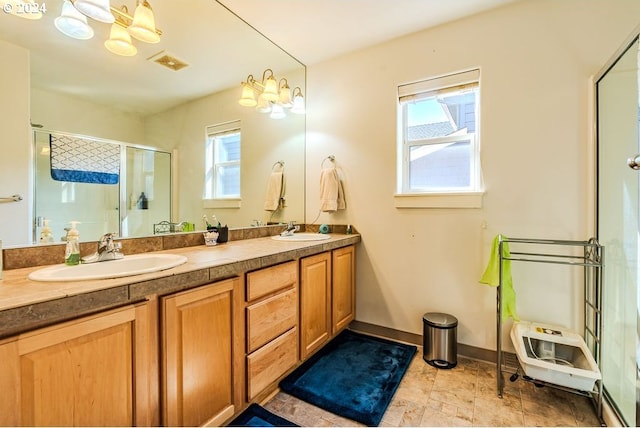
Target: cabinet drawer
<point>265,281</point>
<point>269,318</point>
<point>270,362</point>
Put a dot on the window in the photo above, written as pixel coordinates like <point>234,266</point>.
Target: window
<point>438,147</point>
<point>222,162</point>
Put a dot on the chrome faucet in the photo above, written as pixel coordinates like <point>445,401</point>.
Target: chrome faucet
<point>290,230</point>
<point>107,250</point>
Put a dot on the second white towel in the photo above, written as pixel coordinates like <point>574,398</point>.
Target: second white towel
<point>331,191</point>
<point>275,191</point>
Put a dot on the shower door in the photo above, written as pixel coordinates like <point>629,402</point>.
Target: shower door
<point>102,208</point>
<point>618,227</point>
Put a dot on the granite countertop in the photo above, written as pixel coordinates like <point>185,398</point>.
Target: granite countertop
<point>27,304</point>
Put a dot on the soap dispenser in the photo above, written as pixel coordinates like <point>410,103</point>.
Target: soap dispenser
<point>143,202</point>
<point>46,236</point>
<point>72,253</point>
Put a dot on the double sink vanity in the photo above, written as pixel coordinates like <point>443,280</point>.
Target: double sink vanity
<point>179,336</point>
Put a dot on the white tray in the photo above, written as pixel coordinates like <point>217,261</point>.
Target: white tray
<point>568,345</point>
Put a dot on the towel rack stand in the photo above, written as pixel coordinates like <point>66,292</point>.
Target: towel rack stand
<point>591,260</point>
<point>14,198</point>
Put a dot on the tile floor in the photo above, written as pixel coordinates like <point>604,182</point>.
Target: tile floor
<point>463,396</point>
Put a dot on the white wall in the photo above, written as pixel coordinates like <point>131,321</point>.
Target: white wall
<point>536,59</point>
<point>15,177</point>
<point>57,112</point>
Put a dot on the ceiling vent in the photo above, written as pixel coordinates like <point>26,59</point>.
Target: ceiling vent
<point>168,61</point>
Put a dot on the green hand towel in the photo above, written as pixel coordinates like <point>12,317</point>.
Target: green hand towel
<point>491,277</point>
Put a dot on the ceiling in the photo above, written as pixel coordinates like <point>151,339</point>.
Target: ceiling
<point>316,30</point>
<point>221,49</point>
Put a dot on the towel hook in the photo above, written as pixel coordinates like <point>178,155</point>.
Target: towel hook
<point>278,163</point>
<point>330,158</point>
<point>13,198</point>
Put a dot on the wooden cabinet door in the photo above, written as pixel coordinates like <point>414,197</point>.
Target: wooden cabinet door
<point>315,302</point>
<point>343,292</point>
<point>198,359</point>
<point>79,373</point>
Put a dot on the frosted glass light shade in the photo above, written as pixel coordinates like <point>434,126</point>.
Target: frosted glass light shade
<point>120,41</point>
<point>264,106</point>
<point>248,98</point>
<point>143,26</point>
<point>72,23</point>
<point>285,97</point>
<point>298,104</point>
<point>96,9</point>
<point>277,112</point>
<point>270,89</point>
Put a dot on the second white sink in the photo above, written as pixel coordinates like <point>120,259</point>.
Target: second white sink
<point>129,265</point>
<point>302,236</point>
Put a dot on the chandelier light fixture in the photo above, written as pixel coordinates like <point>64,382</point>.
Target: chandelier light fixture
<point>273,97</point>
<point>73,23</point>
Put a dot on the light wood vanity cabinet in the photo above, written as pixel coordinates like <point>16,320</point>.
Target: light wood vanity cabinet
<point>327,296</point>
<point>343,287</point>
<point>315,302</point>
<point>94,371</point>
<point>202,354</point>
<point>190,358</point>
<point>272,325</point>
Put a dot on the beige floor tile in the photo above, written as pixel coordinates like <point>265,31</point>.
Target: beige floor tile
<point>510,396</point>
<point>542,420</point>
<point>412,415</point>
<point>434,418</point>
<point>559,413</point>
<point>393,416</point>
<point>490,410</point>
<point>455,397</point>
<point>584,411</point>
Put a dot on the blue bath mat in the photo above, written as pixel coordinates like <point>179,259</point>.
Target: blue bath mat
<point>354,376</point>
<point>257,416</point>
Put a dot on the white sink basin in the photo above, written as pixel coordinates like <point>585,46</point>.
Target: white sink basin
<point>129,265</point>
<point>303,236</point>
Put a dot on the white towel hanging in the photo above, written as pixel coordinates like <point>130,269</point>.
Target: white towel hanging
<point>275,191</point>
<point>331,191</point>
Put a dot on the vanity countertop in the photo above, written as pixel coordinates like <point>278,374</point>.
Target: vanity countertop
<point>26,304</point>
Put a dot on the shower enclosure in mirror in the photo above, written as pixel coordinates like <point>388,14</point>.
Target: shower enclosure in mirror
<point>127,196</point>
<point>618,224</point>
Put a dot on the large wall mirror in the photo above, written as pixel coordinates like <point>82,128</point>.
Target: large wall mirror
<point>79,88</point>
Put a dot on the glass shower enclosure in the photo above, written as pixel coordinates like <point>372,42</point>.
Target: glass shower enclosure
<point>618,227</point>
<point>128,205</point>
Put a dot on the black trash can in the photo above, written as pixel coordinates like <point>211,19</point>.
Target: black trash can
<point>440,340</point>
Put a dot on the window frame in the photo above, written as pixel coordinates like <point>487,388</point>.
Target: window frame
<point>212,166</point>
<point>445,197</point>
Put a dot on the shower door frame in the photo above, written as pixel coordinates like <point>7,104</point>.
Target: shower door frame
<point>634,38</point>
